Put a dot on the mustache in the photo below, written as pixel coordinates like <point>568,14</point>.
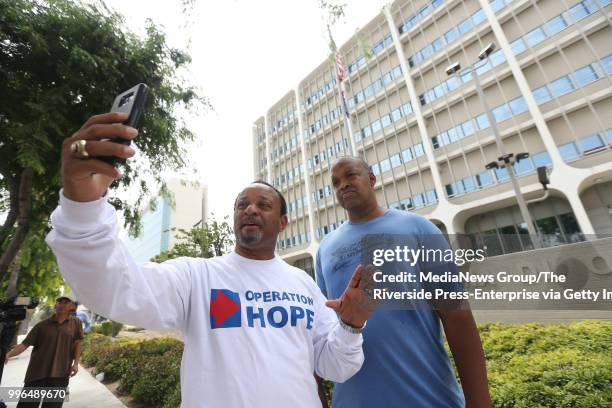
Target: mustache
<point>250,220</point>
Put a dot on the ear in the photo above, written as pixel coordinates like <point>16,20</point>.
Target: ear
<point>283,222</point>
<point>372,179</point>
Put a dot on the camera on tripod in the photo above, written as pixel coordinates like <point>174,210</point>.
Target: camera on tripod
<point>14,309</point>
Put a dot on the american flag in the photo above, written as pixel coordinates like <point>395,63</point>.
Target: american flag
<point>339,66</point>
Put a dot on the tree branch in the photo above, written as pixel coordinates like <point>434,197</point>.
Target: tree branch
<point>23,219</point>
<point>14,205</point>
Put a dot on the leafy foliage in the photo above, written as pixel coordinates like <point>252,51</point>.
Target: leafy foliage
<point>52,78</point>
<point>214,238</point>
<point>531,365</point>
<point>147,370</point>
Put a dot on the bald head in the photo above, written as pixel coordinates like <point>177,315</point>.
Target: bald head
<point>355,161</point>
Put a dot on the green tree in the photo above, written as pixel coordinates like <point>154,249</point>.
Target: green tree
<point>60,62</point>
<point>212,239</point>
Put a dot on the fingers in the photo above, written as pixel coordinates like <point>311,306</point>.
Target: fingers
<point>354,282</point>
<point>105,118</point>
<point>333,304</point>
<point>106,131</point>
<point>97,149</point>
<point>85,168</point>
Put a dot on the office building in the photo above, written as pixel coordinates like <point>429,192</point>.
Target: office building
<point>548,84</point>
<point>185,209</point>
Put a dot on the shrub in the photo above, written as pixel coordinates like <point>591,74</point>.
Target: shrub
<point>530,365</point>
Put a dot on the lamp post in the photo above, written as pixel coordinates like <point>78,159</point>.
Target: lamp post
<point>506,159</point>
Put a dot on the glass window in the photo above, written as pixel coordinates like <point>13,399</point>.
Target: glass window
<point>452,83</point>
<point>609,136</point>
<point>431,196</point>
<point>454,134</point>
<point>397,72</point>
<point>435,143</point>
<point>484,178</point>
<point>469,184</point>
<point>386,120</point>
<point>585,75</point>
<point>590,143</point>
<point>418,150</point>
<point>554,25</point>
<point>375,169</point>
<point>591,6</point>
<point>466,76</point>
<point>443,138</point>
<point>561,86</point>
<point>578,12</point>
<point>418,200</point>
<point>570,227</point>
<point>569,152</point>
<point>450,189</point>
<point>396,115</point>
<point>541,95</point>
<point>522,167</point>
<point>510,239</point>
<point>367,132</point>
<point>542,159</point>
<point>406,109</point>
<point>385,165</point>
<point>387,78</point>
<point>492,243</point>
<point>518,105</point>
<point>376,126</point>
<point>465,26</point>
<point>502,113</point>
<point>497,58</point>
<point>607,64</point>
<point>396,160</point>
<point>501,174</point>
<point>407,155</point>
<point>468,128</point>
<point>497,5</point>
<point>482,121</point>
<point>478,17</point>
<point>437,44</point>
<point>518,46</point>
<point>451,35</point>
<point>535,37</point>
<point>550,231</point>
<point>483,66</point>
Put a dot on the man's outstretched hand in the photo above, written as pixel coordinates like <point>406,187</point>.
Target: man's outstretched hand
<point>88,179</point>
<point>355,305</point>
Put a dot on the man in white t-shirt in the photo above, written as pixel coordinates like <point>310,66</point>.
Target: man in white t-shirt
<point>256,329</point>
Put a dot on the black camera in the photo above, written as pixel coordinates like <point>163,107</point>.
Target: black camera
<point>12,311</point>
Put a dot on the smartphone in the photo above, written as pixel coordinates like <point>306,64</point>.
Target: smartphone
<point>131,102</point>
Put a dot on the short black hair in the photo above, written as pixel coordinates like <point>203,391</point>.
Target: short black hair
<point>360,161</point>
<point>283,203</point>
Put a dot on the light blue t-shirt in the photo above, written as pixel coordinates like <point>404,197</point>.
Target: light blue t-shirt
<point>406,364</point>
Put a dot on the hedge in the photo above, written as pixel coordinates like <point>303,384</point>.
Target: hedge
<point>529,366</point>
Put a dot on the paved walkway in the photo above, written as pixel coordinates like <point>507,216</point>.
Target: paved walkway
<point>85,390</point>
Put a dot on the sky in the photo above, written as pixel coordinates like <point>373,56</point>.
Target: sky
<point>246,55</point>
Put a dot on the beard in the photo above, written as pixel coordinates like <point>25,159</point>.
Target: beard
<point>250,238</point>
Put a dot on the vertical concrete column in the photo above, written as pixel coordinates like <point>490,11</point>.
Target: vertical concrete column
<point>268,152</point>
<point>311,225</point>
<point>416,107</point>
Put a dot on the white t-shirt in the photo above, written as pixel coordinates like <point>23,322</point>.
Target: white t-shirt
<point>255,332</point>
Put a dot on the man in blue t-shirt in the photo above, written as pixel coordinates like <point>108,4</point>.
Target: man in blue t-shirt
<point>406,364</point>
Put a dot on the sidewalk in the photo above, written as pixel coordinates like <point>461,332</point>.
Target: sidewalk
<point>85,391</point>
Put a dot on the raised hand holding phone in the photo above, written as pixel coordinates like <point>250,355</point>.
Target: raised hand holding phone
<point>89,155</point>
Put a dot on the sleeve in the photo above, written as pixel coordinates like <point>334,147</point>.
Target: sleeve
<point>32,337</point>
<point>319,274</point>
<point>338,353</point>
<point>102,274</point>
<point>78,333</point>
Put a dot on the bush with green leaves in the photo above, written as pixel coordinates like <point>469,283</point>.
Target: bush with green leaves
<point>148,371</point>
<point>529,365</point>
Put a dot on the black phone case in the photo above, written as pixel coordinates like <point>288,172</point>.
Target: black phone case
<point>131,102</point>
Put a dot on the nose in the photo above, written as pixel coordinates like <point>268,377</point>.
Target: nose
<point>251,209</point>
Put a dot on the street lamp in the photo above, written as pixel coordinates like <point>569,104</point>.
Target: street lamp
<point>506,159</point>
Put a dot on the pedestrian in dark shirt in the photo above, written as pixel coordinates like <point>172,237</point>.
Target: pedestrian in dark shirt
<point>57,343</point>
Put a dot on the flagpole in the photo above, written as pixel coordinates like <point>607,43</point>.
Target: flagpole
<point>342,93</point>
